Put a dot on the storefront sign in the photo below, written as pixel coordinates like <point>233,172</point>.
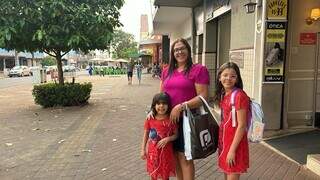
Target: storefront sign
<point>238,58</point>
<point>276,32</point>
<point>308,38</point>
<point>274,51</point>
<point>277,9</point>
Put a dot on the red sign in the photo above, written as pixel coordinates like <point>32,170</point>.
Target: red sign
<point>308,38</point>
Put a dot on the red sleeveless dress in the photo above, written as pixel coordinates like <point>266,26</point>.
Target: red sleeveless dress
<point>160,162</point>
<point>227,132</point>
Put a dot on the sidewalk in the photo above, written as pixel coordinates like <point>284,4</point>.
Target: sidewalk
<point>100,140</point>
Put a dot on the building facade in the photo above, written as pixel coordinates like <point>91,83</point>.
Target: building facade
<point>276,47</point>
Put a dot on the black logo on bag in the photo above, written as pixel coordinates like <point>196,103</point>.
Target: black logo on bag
<point>205,139</point>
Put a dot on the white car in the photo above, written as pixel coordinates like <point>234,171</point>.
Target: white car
<point>19,71</point>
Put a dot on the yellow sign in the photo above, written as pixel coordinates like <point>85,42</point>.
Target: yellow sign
<point>277,9</point>
<point>276,35</point>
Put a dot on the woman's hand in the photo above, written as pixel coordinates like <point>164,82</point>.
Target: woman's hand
<point>231,158</point>
<point>175,113</point>
<point>143,154</point>
<point>150,115</point>
<point>162,143</point>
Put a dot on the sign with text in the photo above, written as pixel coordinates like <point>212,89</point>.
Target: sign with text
<point>277,9</point>
<point>308,38</point>
<point>276,32</point>
<point>274,51</point>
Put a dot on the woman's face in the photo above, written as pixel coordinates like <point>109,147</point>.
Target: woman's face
<point>180,52</point>
<point>228,79</point>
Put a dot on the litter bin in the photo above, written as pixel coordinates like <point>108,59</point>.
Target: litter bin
<point>36,76</point>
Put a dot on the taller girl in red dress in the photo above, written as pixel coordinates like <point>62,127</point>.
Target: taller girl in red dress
<point>233,143</point>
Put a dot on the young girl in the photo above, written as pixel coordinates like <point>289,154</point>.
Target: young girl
<point>159,132</point>
<point>233,143</point>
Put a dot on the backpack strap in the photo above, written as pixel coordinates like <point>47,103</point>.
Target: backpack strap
<point>233,108</point>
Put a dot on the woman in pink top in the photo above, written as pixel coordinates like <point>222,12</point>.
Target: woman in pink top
<point>183,81</point>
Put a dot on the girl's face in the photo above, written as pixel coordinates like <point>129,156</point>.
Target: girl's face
<point>161,108</point>
<point>228,79</point>
<point>180,52</point>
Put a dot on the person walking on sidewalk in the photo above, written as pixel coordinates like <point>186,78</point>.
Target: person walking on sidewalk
<point>159,132</point>
<point>139,68</point>
<point>130,71</point>
<point>183,81</point>
<point>233,146</point>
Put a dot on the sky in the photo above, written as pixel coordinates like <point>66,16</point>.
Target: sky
<point>130,16</point>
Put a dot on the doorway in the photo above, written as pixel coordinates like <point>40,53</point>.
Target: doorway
<point>224,36</point>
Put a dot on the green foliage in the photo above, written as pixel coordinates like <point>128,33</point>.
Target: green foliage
<point>58,26</point>
<point>69,94</point>
<point>123,45</point>
<point>48,61</point>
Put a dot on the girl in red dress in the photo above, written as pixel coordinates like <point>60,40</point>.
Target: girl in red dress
<point>233,143</point>
<point>159,132</point>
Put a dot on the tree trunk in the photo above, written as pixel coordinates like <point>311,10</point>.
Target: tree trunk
<point>59,66</point>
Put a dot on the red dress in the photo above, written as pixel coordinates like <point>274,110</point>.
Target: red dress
<point>227,132</point>
<point>160,162</point>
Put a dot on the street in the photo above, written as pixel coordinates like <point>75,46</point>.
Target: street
<point>100,140</point>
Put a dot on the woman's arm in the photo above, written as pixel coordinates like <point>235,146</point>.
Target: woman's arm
<point>144,144</point>
<point>161,87</point>
<point>240,131</point>
<point>201,89</point>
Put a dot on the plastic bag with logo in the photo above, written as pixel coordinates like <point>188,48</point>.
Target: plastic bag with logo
<point>201,131</point>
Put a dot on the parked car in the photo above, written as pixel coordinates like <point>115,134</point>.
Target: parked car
<point>19,71</point>
<point>32,68</point>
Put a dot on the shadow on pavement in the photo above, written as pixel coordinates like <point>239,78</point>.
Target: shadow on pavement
<point>298,146</point>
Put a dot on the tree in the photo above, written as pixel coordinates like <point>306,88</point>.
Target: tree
<point>58,26</point>
<point>123,45</point>
<point>48,61</point>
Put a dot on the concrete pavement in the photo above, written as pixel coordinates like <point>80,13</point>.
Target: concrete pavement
<point>102,139</point>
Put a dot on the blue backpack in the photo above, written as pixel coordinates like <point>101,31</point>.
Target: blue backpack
<point>255,124</point>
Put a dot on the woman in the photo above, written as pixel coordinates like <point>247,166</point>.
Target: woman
<point>183,81</point>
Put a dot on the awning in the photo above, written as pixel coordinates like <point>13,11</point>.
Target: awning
<point>177,3</point>
<point>166,18</point>
<point>122,60</point>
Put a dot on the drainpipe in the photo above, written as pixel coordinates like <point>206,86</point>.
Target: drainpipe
<point>262,45</point>
<point>193,33</point>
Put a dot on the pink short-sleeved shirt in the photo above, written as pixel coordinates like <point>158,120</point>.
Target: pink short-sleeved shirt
<point>181,87</point>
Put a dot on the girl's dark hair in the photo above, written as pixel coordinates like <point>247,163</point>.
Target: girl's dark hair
<point>161,98</point>
<point>173,62</point>
<point>219,88</point>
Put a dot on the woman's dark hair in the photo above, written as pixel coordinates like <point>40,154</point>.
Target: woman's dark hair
<point>219,87</point>
<point>173,62</point>
<point>161,98</point>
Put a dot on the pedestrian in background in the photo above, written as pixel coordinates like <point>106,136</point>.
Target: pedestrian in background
<point>183,81</point>
<point>139,68</point>
<point>159,132</point>
<point>130,71</point>
<point>233,143</point>
<point>90,69</point>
